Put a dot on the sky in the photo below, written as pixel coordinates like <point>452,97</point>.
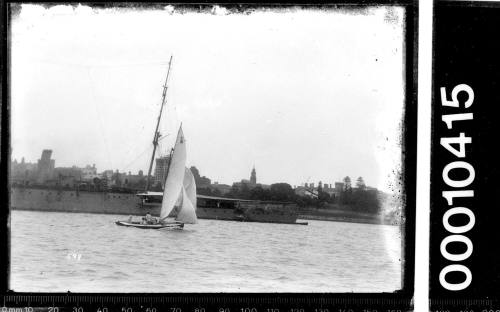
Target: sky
<point>304,95</point>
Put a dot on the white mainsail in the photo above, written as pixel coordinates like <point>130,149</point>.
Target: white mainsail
<point>175,176</point>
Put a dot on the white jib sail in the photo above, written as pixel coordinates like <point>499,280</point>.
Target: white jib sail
<point>187,213</point>
<point>175,176</point>
<point>190,186</point>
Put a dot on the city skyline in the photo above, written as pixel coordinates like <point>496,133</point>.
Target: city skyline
<point>252,176</point>
<point>296,93</point>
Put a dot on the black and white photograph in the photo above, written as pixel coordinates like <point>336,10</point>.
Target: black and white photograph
<point>207,149</point>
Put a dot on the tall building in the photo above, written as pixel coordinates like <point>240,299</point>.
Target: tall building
<point>45,167</point>
<point>161,169</point>
<point>253,176</point>
<point>201,181</point>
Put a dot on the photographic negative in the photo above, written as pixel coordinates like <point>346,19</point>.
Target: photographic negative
<point>280,159</point>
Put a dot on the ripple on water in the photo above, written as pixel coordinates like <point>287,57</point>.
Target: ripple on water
<point>212,256</point>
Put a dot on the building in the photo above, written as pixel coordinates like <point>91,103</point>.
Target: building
<point>333,191</point>
<point>22,172</point>
<point>107,175</point>
<point>68,176</point>
<point>252,183</point>
<point>117,179</point>
<point>339,186</point>
<point>45,167</point>
<point>161,169</point>
<point>134,181</point>
<point>89,173</point>
<point>201,182</point>
<point>308,189</point>
<point>253,176</point>
<point>220,188</point>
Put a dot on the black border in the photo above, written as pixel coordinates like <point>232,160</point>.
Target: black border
<point>4,149</point>
<point>470,298</point>
<point>401,299</point>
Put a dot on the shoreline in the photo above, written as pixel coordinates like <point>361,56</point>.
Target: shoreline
<point>343,215</point>
<point>300,217</point>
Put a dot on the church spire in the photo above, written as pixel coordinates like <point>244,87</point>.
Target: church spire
<point>253,176</point>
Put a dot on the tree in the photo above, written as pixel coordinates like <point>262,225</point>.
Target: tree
<point>97,183</point>
<point>347,184</point>
<point>282,192</point>
<point>360,184</point>
<point>195,173</point>
<point>204,191</point>
<point>366,201</point>
<point>233,192</point>
<point>322,196</point>
<point>346,195</point>
<point>258,193</point>
<point>216,192</point>
<point>244,191</point>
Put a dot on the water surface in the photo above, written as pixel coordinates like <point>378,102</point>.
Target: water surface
<point>89,253</point>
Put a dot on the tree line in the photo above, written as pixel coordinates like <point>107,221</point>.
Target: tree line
<point>359,198</point>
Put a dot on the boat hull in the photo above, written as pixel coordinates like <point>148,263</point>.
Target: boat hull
<point>173,225</point>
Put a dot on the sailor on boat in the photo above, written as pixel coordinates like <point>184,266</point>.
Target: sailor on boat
<point>148,219</point>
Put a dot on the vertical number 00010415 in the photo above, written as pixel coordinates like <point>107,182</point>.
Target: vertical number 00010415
<point>456,146</point>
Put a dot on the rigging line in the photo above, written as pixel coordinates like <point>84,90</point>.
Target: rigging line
<point>163,149</point>
<point>148,147</point>
<point>163,136</point>
<point>99,116</point>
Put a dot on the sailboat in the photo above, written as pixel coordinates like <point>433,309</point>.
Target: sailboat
<point>179,193</point>
<point>180,188</point>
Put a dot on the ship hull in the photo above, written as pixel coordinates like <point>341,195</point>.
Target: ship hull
<point>23,198</point>
<point>73,201</point>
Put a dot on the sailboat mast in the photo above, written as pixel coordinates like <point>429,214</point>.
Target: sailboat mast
<point>156,136</point>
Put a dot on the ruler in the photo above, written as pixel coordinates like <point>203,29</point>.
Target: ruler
<point>464,305</point>
<point>202,303</point>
